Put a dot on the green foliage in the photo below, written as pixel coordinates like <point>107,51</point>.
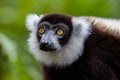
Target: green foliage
<point>15,66</point>
<point>16,63</point>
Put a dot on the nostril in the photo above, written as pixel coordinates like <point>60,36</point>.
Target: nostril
<point>46,43</point>
<point>41,44</point>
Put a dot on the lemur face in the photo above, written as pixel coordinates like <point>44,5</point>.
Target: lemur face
<point>57,39</point>
<point>52,33</point>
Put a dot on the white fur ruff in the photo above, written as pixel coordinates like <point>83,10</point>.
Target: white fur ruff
<point>109,26</point>
<point>70,52</point>
<point>32,21</point>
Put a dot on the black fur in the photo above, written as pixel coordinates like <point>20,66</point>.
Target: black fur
<point>57,18</point>
<point>100,61</point>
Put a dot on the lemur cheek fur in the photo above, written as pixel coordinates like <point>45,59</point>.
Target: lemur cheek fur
<point>75,48</point>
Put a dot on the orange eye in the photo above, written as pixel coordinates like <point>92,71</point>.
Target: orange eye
<point>59,32</point>
<point>41,31</point>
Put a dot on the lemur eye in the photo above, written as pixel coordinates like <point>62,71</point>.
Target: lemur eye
<point>60,32</point>
<point>41,31</point>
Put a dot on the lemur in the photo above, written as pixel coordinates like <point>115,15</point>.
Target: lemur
<point>75,48</point>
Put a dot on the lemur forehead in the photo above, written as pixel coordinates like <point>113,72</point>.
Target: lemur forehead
<point>57,18</point>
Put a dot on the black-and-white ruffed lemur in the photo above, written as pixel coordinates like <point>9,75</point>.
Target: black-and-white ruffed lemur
<point>75,48</point>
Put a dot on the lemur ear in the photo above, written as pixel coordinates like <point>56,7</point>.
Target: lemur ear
<point>81,25</point>
<point>32,20</point>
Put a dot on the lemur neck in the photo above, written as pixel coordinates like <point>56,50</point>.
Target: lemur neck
<point>65,73</point>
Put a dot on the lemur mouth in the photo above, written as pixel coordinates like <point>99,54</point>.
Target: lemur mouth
<point>47,49</point>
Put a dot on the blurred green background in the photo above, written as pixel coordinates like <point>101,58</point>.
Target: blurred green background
<point>16,62</point>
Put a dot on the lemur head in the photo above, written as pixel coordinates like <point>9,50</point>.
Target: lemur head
<point>57,39</point>
<point>54,32</point>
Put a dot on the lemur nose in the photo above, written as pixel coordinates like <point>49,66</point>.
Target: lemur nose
<point>45,44</point>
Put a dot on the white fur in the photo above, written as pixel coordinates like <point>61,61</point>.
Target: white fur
<point>70,52</point>
<point>32,21</point>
